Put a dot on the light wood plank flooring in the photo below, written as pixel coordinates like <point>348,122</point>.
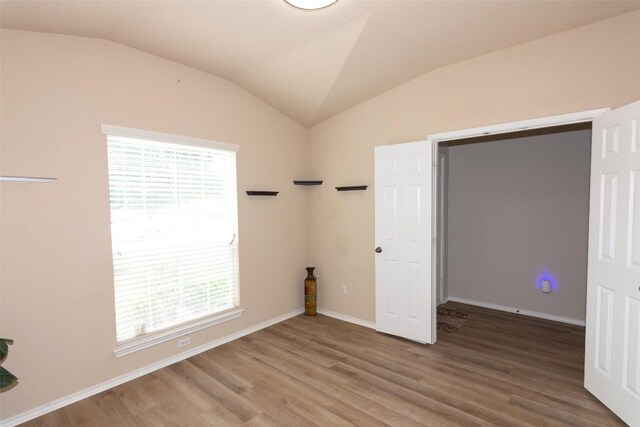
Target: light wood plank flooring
<point>498,369</point>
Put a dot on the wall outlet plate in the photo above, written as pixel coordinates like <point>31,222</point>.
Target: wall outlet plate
<point>343,289</point>
<point>184,342</point>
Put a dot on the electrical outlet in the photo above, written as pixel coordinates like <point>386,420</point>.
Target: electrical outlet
<point>343,289</point>
<point>184,342</point>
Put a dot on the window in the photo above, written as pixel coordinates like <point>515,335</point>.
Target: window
<point>174,239</point>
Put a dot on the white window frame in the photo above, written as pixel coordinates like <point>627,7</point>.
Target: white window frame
<point>186,328</point>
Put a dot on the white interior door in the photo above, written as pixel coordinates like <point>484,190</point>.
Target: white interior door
<point>403,228</point>
<point>612,357</point>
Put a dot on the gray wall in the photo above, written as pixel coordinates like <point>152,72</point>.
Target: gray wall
<point>517,211</point>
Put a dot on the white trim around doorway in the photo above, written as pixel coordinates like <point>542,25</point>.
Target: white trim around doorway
<point>542,122</point>
<point>517,126</point>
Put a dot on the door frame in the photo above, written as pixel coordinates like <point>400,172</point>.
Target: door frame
<point>441,227</point>
<point>517,126</point>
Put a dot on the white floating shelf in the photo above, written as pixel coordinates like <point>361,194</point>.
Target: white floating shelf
<point>26,179</point>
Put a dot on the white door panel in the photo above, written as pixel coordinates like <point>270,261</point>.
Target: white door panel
<point>403,190</point>
<point>612,357</point>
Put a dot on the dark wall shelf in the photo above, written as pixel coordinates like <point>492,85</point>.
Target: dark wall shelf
<point>262,193</point>
<point>352,188</point>
<point>307,182</point>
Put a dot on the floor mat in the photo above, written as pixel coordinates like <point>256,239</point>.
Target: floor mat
<point>450,320</point>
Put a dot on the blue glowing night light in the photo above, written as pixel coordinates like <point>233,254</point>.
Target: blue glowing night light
<point>546,276</point>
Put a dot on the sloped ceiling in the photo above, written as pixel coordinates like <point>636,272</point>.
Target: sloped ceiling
<point>312,65</point>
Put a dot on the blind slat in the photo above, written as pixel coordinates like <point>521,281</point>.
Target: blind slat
<point>173,222</point>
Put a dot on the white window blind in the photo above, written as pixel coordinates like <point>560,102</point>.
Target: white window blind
<point>174,233</point>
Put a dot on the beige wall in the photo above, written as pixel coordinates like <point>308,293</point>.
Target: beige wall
<point>590,67</point>
<point>518,212</point>
<point>56,279</point>
<point>56,276</point>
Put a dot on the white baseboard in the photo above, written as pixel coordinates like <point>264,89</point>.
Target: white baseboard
<point>520,311</point>
<point>444,301</point>
<point>346,318</point>
<point>98,388</point>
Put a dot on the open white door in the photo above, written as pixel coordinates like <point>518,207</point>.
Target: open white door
<point>612,357</point>
<point>403,192</point>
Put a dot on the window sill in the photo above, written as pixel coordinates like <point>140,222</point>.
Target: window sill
<point>154,338</point>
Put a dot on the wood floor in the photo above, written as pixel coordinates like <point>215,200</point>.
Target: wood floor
<point>498,369</point>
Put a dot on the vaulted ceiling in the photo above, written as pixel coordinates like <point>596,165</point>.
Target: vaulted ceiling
<point>312,65</point>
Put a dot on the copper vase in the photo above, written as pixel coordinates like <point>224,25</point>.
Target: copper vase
<point>310,293</point>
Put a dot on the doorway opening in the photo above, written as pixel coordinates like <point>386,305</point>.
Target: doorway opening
<point>513,221</point>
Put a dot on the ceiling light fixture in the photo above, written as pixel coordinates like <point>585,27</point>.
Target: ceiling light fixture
<point>311,4</point>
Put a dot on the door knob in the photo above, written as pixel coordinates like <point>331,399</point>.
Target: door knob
<point>378,249</point>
